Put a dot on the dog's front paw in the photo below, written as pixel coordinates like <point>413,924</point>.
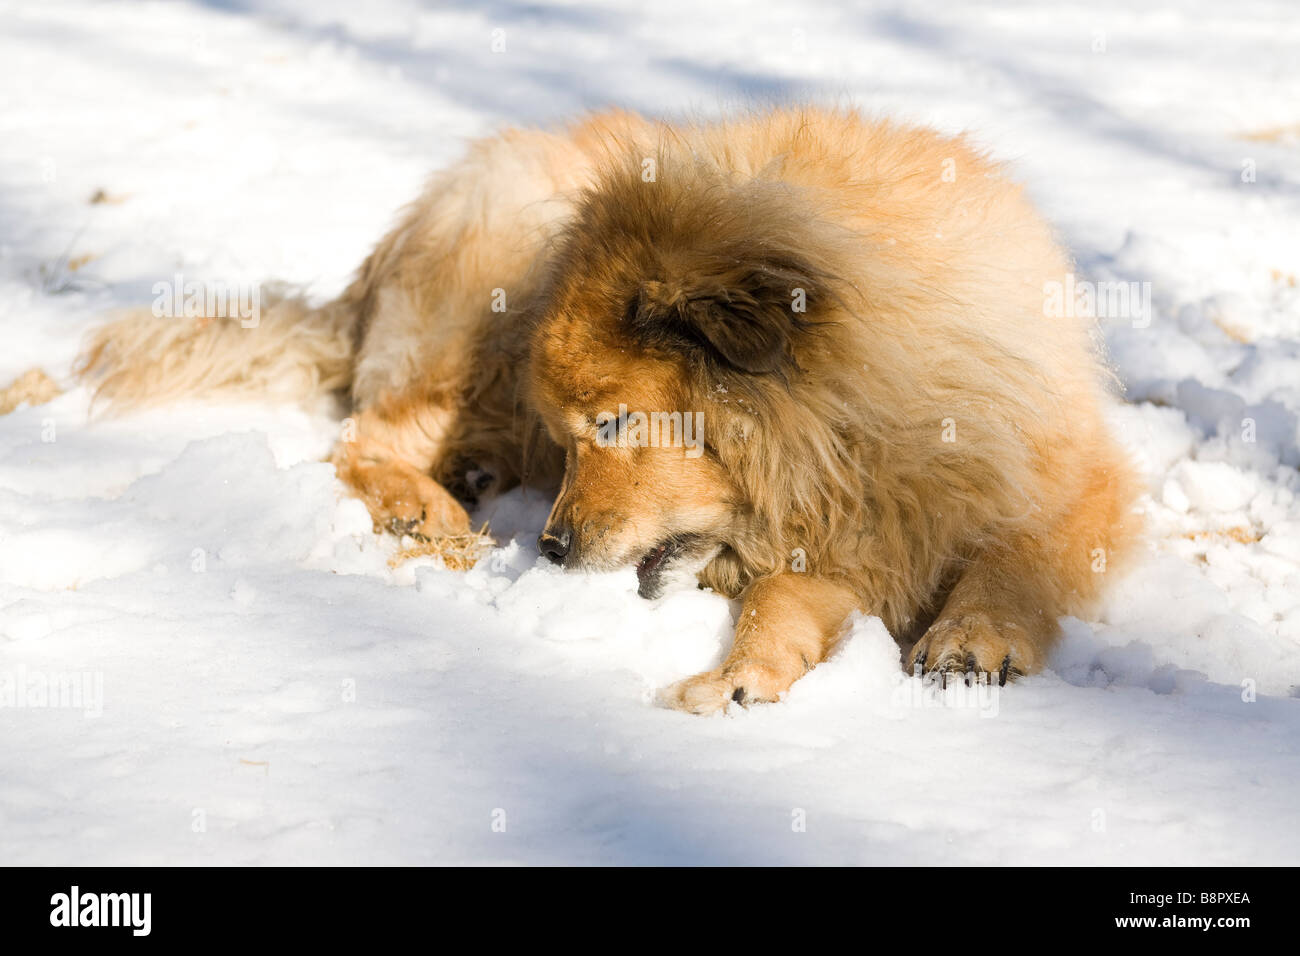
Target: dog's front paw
<point>418,506</point>
<point>705,693</point>
<point>972,644</point>
<point>745,682</point>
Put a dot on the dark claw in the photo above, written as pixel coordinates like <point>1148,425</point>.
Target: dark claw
<point>1004,670</point>
<point>972,668</point>
<point>404,526</point>
<point>738,695</point>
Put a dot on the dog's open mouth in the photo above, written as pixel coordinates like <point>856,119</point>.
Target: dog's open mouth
<point>650,569</point>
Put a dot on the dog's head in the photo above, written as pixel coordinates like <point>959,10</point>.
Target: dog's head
<point>666,308</point>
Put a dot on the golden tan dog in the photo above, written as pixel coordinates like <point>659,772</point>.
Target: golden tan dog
<point>800,357</point>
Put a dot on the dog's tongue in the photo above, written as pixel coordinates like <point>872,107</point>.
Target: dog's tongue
<point>651,561</point>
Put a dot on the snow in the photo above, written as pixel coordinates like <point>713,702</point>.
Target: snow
<point>257,685</point>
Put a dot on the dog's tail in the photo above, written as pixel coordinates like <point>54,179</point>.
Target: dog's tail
<point>287,350</point>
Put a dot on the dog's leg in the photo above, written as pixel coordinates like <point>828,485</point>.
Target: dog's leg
<point>1001,617</point>
<point>788,623</point>
<point>386,457</point>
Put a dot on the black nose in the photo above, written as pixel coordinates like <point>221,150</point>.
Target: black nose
<point>555,545</point>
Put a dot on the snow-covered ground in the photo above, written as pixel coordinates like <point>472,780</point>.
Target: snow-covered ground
<point>260,687</point>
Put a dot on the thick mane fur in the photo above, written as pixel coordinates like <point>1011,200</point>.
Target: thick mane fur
<point>834,419</point>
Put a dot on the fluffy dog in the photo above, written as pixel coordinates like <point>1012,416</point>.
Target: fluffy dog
<point>799,357</point>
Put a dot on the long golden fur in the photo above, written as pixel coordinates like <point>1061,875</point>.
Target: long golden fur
<point>853,309</point>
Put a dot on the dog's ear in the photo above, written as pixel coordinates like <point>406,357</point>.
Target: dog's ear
<point>746,314</point>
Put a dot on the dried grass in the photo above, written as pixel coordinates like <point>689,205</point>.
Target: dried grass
<point>33,387</point>
<point>458,552</point>
<point>1239,533</point>
<point>1273,134</point>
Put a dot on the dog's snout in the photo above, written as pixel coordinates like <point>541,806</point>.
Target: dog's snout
<point>554,543</point>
